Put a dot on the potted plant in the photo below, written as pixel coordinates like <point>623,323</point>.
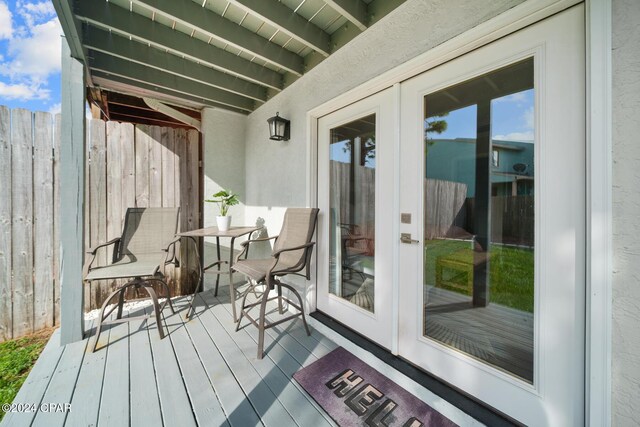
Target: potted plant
<point>224,199</point>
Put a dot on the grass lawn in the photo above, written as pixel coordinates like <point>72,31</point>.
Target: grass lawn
<point>17,357</point>
<point>510,271</point>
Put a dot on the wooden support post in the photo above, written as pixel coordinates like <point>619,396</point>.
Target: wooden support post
<point>72,175</point>
<point>482,206</point>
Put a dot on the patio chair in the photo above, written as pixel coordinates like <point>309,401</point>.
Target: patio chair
<point>291,254</point>
<point>144,249</point>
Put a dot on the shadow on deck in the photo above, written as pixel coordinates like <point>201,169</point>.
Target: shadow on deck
<point>202,374</point>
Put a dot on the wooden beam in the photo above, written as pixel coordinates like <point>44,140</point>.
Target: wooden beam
<point>143,74</point>
<point>354,10</point>
<point>144,120</point>
<point>130,50</point>
<point>109,16</point>
<point>287,21</point>
<point>189,13</point>
<point>72,164</point>
<point>120,99</point>
<point>123,84</point>
<point>173,113</point>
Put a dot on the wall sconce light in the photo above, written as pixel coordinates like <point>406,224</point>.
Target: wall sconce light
<point>279,128</point>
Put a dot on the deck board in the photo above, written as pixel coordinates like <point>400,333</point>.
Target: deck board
<point>143,400</point>
<point>114,404</point>
<point>237,407</point>
<point>204,400</point>
<point>203,373</point>
<point>88,393</point>
<point>276,368</point>
<point>264,400</point>
<point>174,400</point>
<point>62,384</point>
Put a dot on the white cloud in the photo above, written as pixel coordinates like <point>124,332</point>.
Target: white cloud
<point>516,136</point>
<point>6,26</point>
<point>528,118</point>
<point>37,55</point>
<point>35,13</point>
<point>22,92</point>
<point>516,97</point>
<point>55,108</point>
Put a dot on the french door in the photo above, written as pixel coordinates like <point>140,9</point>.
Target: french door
<point>493,155</point>
<point>355,194</point>
<point>452,226</point>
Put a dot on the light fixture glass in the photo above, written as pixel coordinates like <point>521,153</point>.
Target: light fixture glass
<point>279,128</point>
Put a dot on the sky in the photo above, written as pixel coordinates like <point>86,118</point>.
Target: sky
<point>30,46</point>
<point>512,119</point>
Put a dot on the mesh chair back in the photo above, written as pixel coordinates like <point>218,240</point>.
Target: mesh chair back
<point>297,229</point>
<point>148,231</point>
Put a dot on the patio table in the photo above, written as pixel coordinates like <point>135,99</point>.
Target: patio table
<point>233,233</point>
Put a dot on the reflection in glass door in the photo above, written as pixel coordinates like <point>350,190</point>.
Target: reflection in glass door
<point>493,153</point>
<point>352,190</point>
<point>479,218</point>
<point>356,178</point>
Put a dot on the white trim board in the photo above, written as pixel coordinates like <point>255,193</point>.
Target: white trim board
<point>599,164</point>
<point>599,214</point>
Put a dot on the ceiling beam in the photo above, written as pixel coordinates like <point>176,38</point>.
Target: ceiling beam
<point>120,110</point>
<point>112,44</point>
<point>287,21</point>
<point>136,88</point>
<point>354,10</point>
<point>117,98</point>
<point>173,113</point>
<point>140,73</point>
<point>109,16</point>
<point>189,13</point>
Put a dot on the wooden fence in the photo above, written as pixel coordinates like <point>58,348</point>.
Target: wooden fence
<point>142,166</point>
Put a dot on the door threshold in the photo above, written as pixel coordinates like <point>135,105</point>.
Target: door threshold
<point>474,408</point>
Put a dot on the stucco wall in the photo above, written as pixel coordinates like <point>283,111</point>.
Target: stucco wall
<point>413,28</point>
<point>223,135</point>
<point>626,213</point>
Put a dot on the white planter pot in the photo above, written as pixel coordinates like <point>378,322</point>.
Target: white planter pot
<point>224,222</point>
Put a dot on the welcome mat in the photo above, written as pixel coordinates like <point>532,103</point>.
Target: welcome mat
<point>355,394</point>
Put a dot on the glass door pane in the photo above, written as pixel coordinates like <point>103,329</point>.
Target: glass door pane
<point>479,218</point>
<point>352,164</point>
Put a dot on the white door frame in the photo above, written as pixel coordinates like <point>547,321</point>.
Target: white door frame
<point>380,324</point>
<point>599,165</point>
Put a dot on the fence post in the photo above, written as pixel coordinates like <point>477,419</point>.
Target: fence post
<point>72,175</point>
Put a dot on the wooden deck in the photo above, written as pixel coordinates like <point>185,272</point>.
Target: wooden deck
<point>498,335</point>
<point>202,374</point>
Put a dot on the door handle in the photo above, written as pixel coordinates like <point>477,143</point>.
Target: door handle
<point>406,238</point>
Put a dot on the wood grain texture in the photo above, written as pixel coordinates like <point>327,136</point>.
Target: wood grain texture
<point>56,218</point>
<point>142,153</point>
<point>22,221</point>
<point>6,294</point>
<point>87,207</point>
<point>115,210</point>
<point>43,279</point>
<point>97,197</point>
<point>155,168</point>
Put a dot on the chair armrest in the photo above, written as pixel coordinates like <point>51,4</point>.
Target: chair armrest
<point>262,239</point>
<point>93,250</point>
<point>171,243</point>
<point>86,268</point>
<point>245,245</point>
<point>276,254</point>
